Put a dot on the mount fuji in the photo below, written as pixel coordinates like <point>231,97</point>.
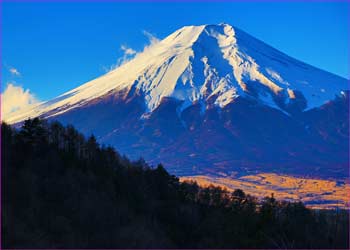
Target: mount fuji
<point>212,99</point>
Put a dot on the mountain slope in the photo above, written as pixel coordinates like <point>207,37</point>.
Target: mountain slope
<point>196,63</point>
<point>210,99</point>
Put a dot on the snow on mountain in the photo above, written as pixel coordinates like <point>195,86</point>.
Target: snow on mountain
<point>201,63</point>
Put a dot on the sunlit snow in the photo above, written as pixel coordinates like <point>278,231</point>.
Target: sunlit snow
<point>199,62</point>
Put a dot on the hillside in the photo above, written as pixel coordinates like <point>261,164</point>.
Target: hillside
<point>62,190</point>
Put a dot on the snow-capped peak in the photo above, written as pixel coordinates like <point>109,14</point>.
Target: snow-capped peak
<point>198,63</point>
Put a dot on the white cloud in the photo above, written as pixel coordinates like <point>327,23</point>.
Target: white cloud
<point>128,51</point>
<point>14,71</point>
<point>15,98</point>
<point>152,38</point>
<point>128,54</point>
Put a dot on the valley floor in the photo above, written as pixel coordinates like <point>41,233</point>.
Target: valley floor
<point>314,193</point>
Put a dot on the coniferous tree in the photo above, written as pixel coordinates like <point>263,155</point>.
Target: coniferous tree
<point>60,190</point>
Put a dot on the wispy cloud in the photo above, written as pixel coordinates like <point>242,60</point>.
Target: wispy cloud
<point>15,98</point>
<point>151,38</point>
<point>130,53</point>
<point>14,71</point>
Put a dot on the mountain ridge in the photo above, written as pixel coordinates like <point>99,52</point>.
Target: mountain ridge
<point>196,63</point>
<point>211,99</point>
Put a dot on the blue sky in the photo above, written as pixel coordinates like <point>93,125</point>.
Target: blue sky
<point>57,46</point>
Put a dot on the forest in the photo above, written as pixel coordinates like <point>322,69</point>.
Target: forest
<point>61,189</point>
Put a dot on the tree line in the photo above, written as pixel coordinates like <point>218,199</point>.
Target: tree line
<point>63,190</point>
